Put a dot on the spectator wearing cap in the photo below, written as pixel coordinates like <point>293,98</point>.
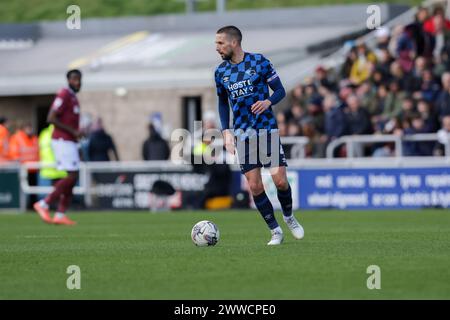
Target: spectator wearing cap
<point>382,36</point>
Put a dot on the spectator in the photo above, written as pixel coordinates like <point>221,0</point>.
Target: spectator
<point>417,148</point>
<point>443,137</point>
<point>443,100</point>
<point>407,109</point>
<point>315,148</point>
<point>376,106</point>
<point>24,145</point>
<point>358,118</point>
<point>48,176</point>
<point>429,88</point>
<point>295,113</point>
<point>24,148</point>
<point>382,36</point>
<point>155,147</point>
<point>293,129</point>
<point>393,102</point>
<point>335,120</point>
<point>428,115</point>
<point>101,144</point>
<point>4,140</point>
<point>350,59</point>
<point>321,77</point>
<point>418,33</point>
<point>406,50</point>
<point>315,112</point>
<point>437,21</point>
<point>363,66</point>
<point>298,96</point>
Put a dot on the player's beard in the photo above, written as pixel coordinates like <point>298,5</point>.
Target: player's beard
<point>227,56</point>
<point>74,89</point>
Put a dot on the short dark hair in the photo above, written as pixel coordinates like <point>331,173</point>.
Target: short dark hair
<point>231,31</point>
<point>73,71</point>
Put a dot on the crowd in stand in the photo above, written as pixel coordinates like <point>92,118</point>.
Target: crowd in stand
<point>399,85</point>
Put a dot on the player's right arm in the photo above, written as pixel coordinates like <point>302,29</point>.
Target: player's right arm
<point>224,114</point>
<point>57,108</point>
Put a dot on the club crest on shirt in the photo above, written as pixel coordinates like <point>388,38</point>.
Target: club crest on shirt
<point>250,72</point>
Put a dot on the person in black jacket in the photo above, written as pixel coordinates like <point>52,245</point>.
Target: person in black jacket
<point>101,144</point>
<point>155,147</point>
<point>358,118</point>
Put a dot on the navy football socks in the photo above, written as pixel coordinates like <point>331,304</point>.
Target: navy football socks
<point>285,198</point>
<point>265,208</point>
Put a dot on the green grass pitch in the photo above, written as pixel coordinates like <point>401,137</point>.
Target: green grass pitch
<point>141,255</point>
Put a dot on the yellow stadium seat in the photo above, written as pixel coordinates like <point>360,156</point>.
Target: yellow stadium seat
<point>217,203</point>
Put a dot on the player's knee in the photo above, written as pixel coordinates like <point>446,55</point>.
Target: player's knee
<point>281,184</point>
<point>256,187</point>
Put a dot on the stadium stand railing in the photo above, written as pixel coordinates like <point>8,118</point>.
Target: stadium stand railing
<point>351,141</point>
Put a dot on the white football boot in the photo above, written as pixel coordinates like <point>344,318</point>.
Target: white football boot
<point>277,237</point>
<point>295,227</point>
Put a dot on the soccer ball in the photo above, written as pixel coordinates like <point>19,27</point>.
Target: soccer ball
<point>205,233</point>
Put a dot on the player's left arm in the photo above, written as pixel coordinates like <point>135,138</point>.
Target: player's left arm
<point>274,82</point>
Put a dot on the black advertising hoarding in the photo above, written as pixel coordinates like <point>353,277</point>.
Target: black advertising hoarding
<point>132,190</point>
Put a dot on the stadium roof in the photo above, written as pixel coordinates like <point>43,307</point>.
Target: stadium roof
<point>166,51</point>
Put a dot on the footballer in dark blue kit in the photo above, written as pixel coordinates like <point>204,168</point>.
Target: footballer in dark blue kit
<point>242,81</point>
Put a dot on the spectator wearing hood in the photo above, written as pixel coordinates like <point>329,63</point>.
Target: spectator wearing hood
<point>155,147</point>
<point>100,143</point>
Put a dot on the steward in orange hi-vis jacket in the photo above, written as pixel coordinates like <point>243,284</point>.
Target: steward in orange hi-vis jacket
<point>24,146</point>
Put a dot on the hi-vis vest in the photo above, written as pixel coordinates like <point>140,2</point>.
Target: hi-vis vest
<point>4,142</point>
<point>47,156</point>
<point>23,148</point>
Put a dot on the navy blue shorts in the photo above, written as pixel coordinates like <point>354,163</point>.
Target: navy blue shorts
<point>262,150</point>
